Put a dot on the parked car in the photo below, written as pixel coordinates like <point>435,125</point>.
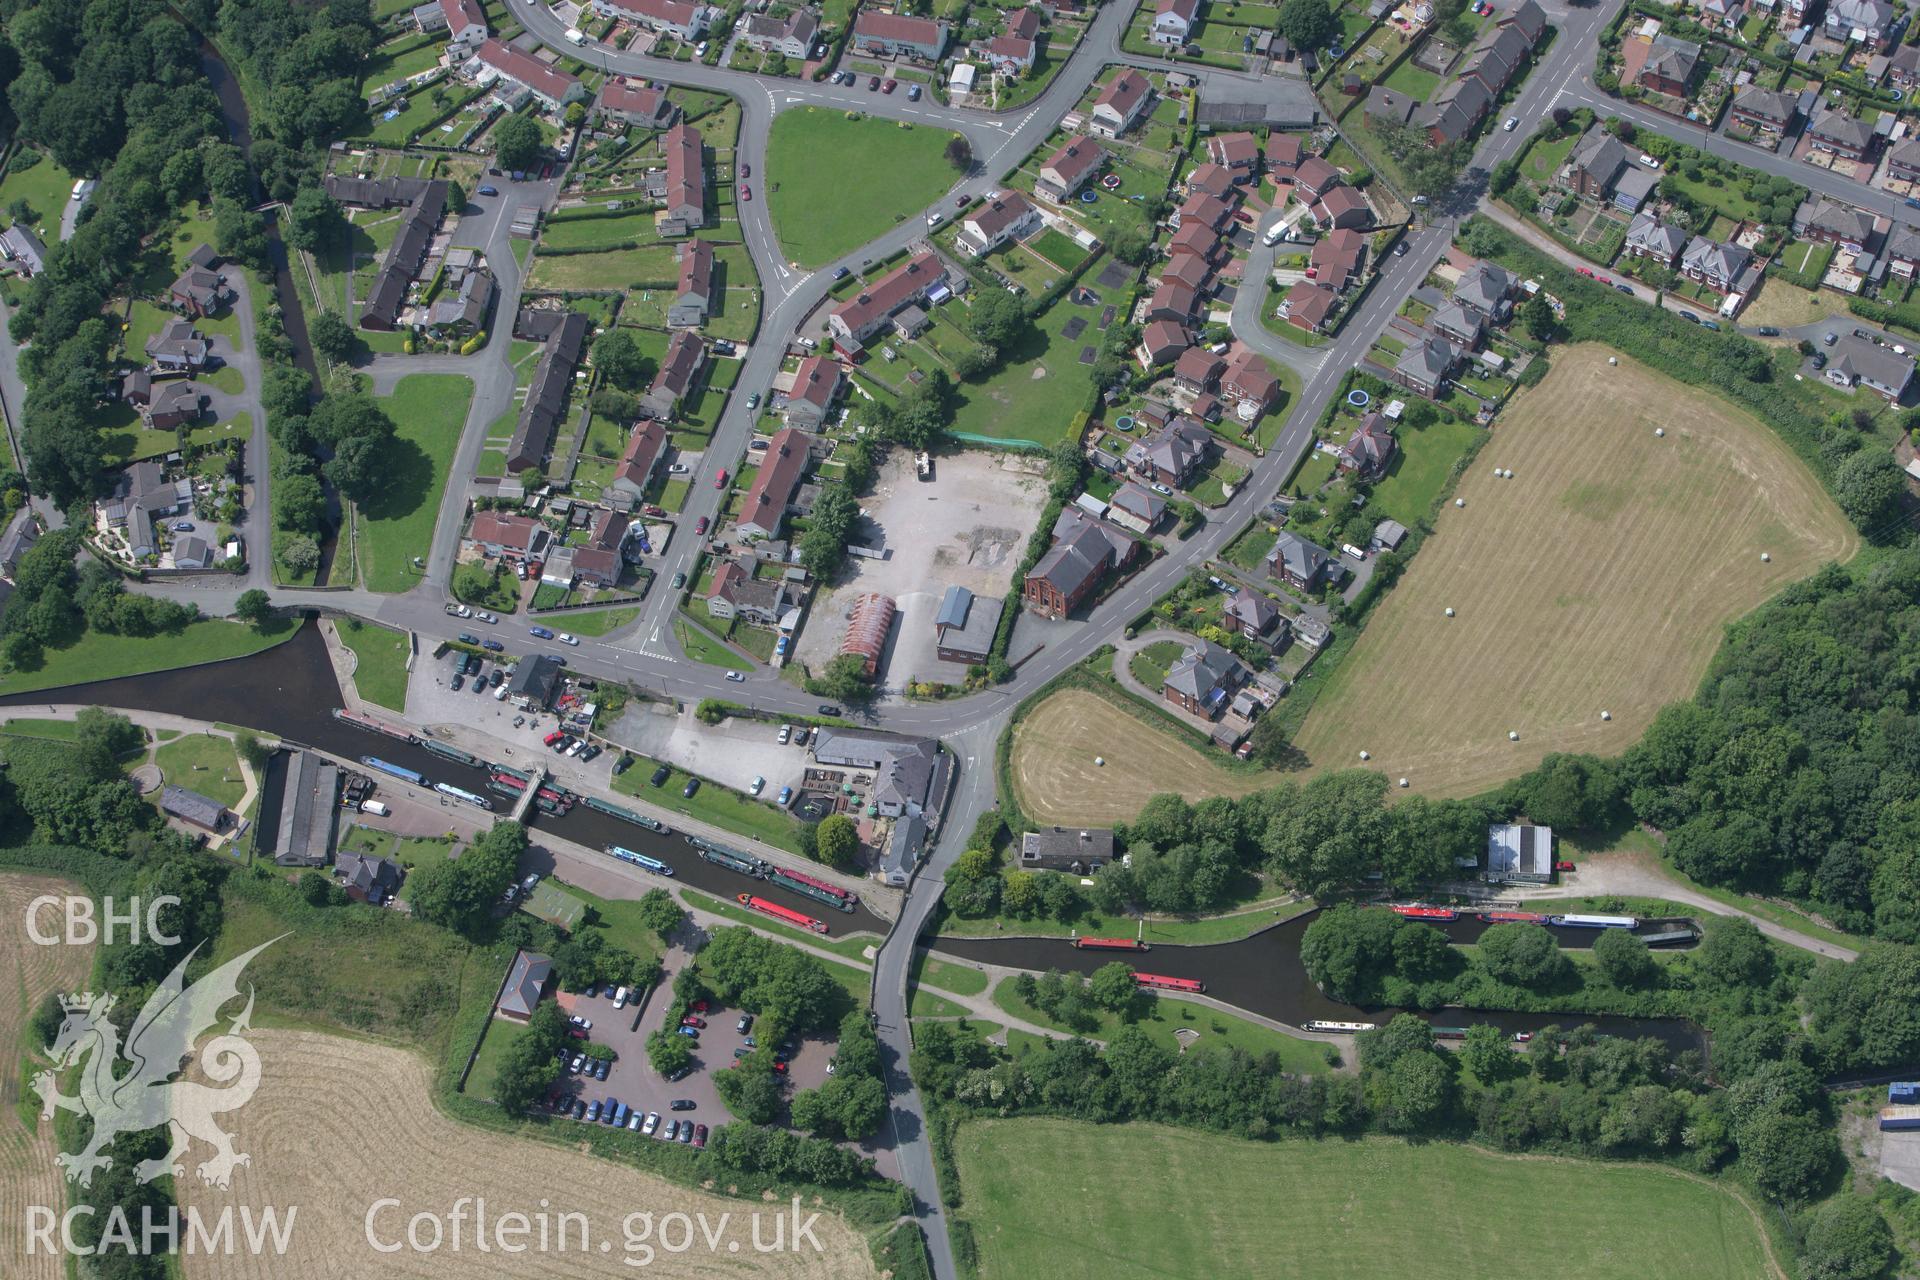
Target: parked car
<point>746,171</point>
<point>1400,249</point>
<point>686,1132</point>
<point>888,86</point>
<point>681,1074</point>
<point>680,1104</point>
<point>579,1060</point>
<point>552,738</point>
<point>786,734</point>
<point>660,775</point>
<point>736,678</point>
<point>1767,331</point>
<point>1563,865</point>
<point>873,82</point>
<point>720,481</point>
<point>700,527</point>
<point>700,1135</point>
<point>689,1032</point>
<point>578,1021</point>
<point>488,618</point>
<point>488,189</point>
<point>746,193</point>
<point>753,400</point>
<point>459,681</point>
<point>652,1123</point>
<point>593,1113</point>
<point>913,93</point>
<point>469,639</point>
<point>839,273</point>
<point>1162,490</point>
<point>759,785</point>
<point>745,1024</point>
<point>1829,338</point>
<point>1819,361</point>
<point>589,753</point>
<point>786,797</point>
<point>540,633</point>
<point>693,785</point>
<point>671,1132</point>
<point>1625,288</point>
<point>693,1020</point>
<point>741,1053</point>
<point>699,1006</point>
<point>566,638</point>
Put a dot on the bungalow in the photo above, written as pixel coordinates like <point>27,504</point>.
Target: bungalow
<point>466,308</point>
<point>1197,369</point>
<point>1313,176</point>
<point>1082,552</point>
<point>1859,362</point>
<point>526,982</point>
<point>554,89</point>
<point>681,19</point>
<point>1716,265</point>
<point>693,294</point>
<point>1335,258</point>
<point>891,35</point>
<point>816,385</point>
<point>1454,112</point>
<point>1161,341</point>
<point>1595,164</point>
<point>1308,305</point>
<point>512,536</point>
<point>1249,381</point>
<point>1864,22</point>
<point>1838,133</point>
<point>678,370</point>
<point>1172,303</point>
<point>775,482</point>
<point>1174,20</point>
<point>1764,110</point>
<point>194,809</point>
<point>1670,67</point>
<point>791,36</point>
<point>684,201</point>
<point>1252,615</point>
<point>1239,151</point>
<point>645,447</point>
<point>1452,319</point>
<point>1825,219</point>
<point>865,314</point>
<point>1068,169</point>
<point>1066,849</point>
<point>1136,507</point>
<point>1650,238</point>
<point>1903,161</point>
<point>1343,207</point>
<point>1425,365</point>
<point>178,348</point>
<point>639,105</point>
<point>1298,563</point>
<point>1006,215</point>
<point>1486,288</point>
<point>201,289</point>
<point>565,335</point>
<point>736,593</point>
<point>175,404</point>
<point>1172,454</point>
<point>1203,680</point>
<point>1120,104</point>
<point>1369,450</point>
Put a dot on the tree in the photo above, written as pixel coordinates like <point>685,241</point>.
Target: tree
<point>332,337</point>
<point>1523,954</point>
<point>824,544</point>
<point>846,1106</point>
<point>844,680</point>
<point>1787,1154</point>
<point>959,153</point>
<point>459,893</point>
<point>1623,958</point>
<point>1307,24</point>
<point>1869,487</point>
<point>1846,1238</point>
<point>254,608</point>
<point>517,142</point>
<point>1132,246</point>
<point>1504,175</point>
<point>617,358</point>
<point>1112,986</point>
<point>1538,316</point>
<point>1488,1054</point>
<point>997,316</point>
<point>313,220</point>
<point>749,1089</point>
<point>63,455</point>
<point>531,1063</point>
<point>1345,949</point>
<point>297,553</point>
<point>659,912</point>
<point>668,1051</point>
<point>837,840</point>
<point>46,1020</point>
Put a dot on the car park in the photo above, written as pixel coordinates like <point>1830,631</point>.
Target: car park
<point>459,681</point>
<point>700,1135</point>
<point>786,734</point>
<point>652,1123</point>
<point>693,1020</point>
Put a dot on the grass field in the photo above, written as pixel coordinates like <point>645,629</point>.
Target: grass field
<point>28,1175</point>
<point>308,1144</point>
<point>898,172</point>
<point>100,656</point>
<point>207,763</point>
<point>1206,1027</point>
<point>733,810</point>
<point>1061,1199</point>
<point>1035,394</point>
<point>45,187</point>
<point>380,673</point>
<point>429,409</point>
<point>1056,779</point>
<point>1598,579</point>
<point>1786,306</point>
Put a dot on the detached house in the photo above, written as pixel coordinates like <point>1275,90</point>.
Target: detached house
<point>890,35</point>
<point>1015,50</point>
<point>1864,22</point>
<point>1308,306</point>
<point>1007,215</point>
<point>1343,208</point>
<point>464,20</point>
<point>1425,365</point>
<point>791,36</point>
<point>1369,450</point>
<point>1136,507</point>
<point>1716,265</point>
<point>201,289</point>
<point>816,385</point>
<point>1172,454</point>
<point>1120,104</point>
<point>1174,20</point>
<point>1595,164</point>
<point>1172,303</point>
<point>1336,258</point>
<point>1298,563</point>
<point>679,369</point>
<point>1238,151</point>
<point>1197,370</point>
<point>1858,362</point>
<point>1068,168</point>
<point>693,295</point>
<point>173,405</point>
<point>178,348</point>
<point>1203,680</point>
<point>1670,67</point>
<point>1248,382</point>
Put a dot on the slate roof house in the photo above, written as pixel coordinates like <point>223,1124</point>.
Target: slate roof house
<point>1453,113</point>
<point>1297,562</point>
<point>645,447</point>
<point>1460,323</point>
<point>1425,365</point>
<point>1858,362</point>
<point>366,877</point>
<point>404,256</point>
<point>1865,22</point>
<point>194,809</point>
<point>1903,159</point>
<point>1370,449</point>
<point>564,333</point>
<point>142,494</point>
<point>1252,615</point>
<point>1648,237</point>
<point>526,982</point>
<point>1488,289</point>
<point>23,248</point>
<point>1716,265</point>
<point>1171,454</point>
<point>201,289</point>
<point>1083,550</point>
<point>910,775</point>
<point>679,369</point>
<point>1203,680</point>
<point>1071,849</point>
<point>1136,507</point>
<point>736,593</point>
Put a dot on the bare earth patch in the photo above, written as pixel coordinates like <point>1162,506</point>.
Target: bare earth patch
<point>338,1125</point>
<point>28,972</point>
<point>1598,579</point>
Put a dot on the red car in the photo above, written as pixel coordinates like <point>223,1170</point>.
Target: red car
<point>551,738</point>
<point>698,1006</point>
<point>699,1135</point>
<point>578,1033</point>
<point>720,481</point>
<point>693,1020</point>
<point>652,510</point>
<point>1604,279</point>
<point>889,86</point>
<point>779,1068</point>
<point>700,525</point>
<point>1563,866</point>
<point>1584,271</point>
<point>746,193</point>
<point>1241,215</point>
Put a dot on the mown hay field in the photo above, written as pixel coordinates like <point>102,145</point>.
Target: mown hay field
<point>1066,1200</point>
<point>28,972</point>
<point>339,1125</point>
<point>1598,579</point>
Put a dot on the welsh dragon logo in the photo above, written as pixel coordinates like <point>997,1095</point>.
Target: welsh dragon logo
<point>158,1045</point>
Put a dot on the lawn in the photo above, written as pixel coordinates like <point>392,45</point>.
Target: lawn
<point>397,524</point>
<point>1656,546</point>
<point>701,646</point>
<point>1062,1199</point>
<point>1545,157</point>
<point>1035,394</point>
<point>721,806</point>
<point>898,172</point>
<point>1420,470</point>
<point>45,187</point>
<point>380,668</point>
<point>1213,1029</point>
<point>961,979</point>
<point>203,762</point>
<point>598,622</point>
<point>98,655</point>
<point>1149,666</point>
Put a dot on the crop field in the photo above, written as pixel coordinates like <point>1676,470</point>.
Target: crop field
<point>28,1175</point>
<point>1057,781</point>
<point>308,1140</point>
<point>1598,579</point>
<point>1062,1199</point>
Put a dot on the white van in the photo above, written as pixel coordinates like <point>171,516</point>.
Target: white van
<point>576,36</point>
<point>375,808</point>
<point>1275,234</point>
<point>1348,549</point>
<point>620,998</point>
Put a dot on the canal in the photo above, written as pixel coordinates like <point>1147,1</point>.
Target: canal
<point>290,692</point>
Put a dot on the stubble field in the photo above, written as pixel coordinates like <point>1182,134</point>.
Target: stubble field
<point>339,1125</point>
<point>28,972</point>
<point>1598,579</point>
<point>1064,1200</point>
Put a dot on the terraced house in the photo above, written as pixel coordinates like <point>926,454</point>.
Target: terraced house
<point>499,62</point>
<point>693,293</point>
<point>684,195</point>
<point>892,35</point>
<point>639,105</point>
<point>867,312</point>
<point>681,19</point>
